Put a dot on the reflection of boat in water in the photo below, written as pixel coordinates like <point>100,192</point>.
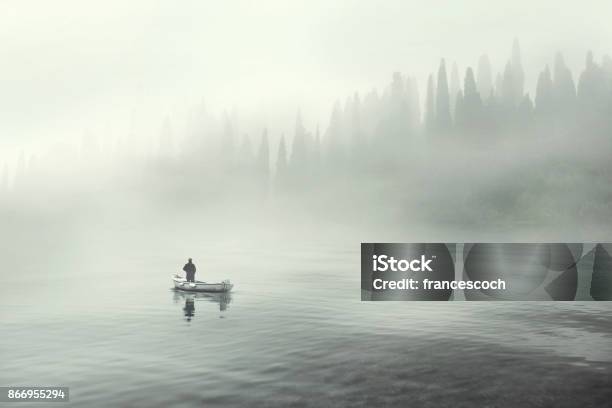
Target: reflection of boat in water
<point>223,299</point>
<point>181,283</point>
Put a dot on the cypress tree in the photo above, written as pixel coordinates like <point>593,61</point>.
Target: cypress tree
<point>484,77</point>
<point>454,88</point>
<point>430,113</point>
<point>544,100</point>
<point>443,117</point>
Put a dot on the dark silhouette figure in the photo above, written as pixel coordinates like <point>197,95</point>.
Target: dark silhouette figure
<point>189,309</point>
<point>190,271</point>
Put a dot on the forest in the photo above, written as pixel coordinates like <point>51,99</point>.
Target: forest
<point>476,148</point>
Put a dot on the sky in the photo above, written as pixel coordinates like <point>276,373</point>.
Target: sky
<point>68,67</point>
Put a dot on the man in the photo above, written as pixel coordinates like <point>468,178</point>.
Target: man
<point>190,271</point>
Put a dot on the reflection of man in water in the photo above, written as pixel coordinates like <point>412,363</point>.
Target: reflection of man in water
<point>190,271</point>
<point>189,309</point>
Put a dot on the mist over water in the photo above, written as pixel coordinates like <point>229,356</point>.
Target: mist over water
<point>273,182</point>
<point>292,333</point>
<point>478,153</point>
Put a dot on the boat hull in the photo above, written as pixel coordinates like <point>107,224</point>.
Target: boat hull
<point>199,286</point>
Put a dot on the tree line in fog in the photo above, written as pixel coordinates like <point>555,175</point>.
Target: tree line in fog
<point>367,136</point>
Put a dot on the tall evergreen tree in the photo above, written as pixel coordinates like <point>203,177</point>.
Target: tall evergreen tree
<point>514,79</point>
<point>443,117</point>
<point>430,112</point>
<point>299,148</point>
<point>316,151</point>
<point>469,86</point>
<point>592,93</point>
<point>263,156</point>
<point>545,98</point>
<point>414,103</point>
<point>333,135</point>
<point>472,103</point>
<point>454,88</point>
<point>396,124</point>
<point>564,91</point>
<point>517,68</point>
<point>499,87</point>
<point>397,88</point>
<point>484,77</point>
<point>281,163</point>
<point>356,131</point>
<point>262,164</point>
<point>508,89</point>
<point>564,87</point>
<point>460,116</point>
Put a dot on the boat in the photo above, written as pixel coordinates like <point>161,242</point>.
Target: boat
<point>181,283</point>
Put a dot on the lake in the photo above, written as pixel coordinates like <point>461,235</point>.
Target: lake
<point>101,318</point>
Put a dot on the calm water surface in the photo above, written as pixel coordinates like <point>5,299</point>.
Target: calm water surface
<point>292,333</point>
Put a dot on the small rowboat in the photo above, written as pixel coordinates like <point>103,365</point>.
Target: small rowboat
<point>181,283</point>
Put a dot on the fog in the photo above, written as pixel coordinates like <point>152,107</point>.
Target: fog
<point>268,139</point>
<point>70,67</point>
<point>243,119</point>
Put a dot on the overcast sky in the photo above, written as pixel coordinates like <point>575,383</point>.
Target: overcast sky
<point>67,66</point>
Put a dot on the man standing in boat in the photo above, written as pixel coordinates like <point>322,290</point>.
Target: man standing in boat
<point>190,271</point>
